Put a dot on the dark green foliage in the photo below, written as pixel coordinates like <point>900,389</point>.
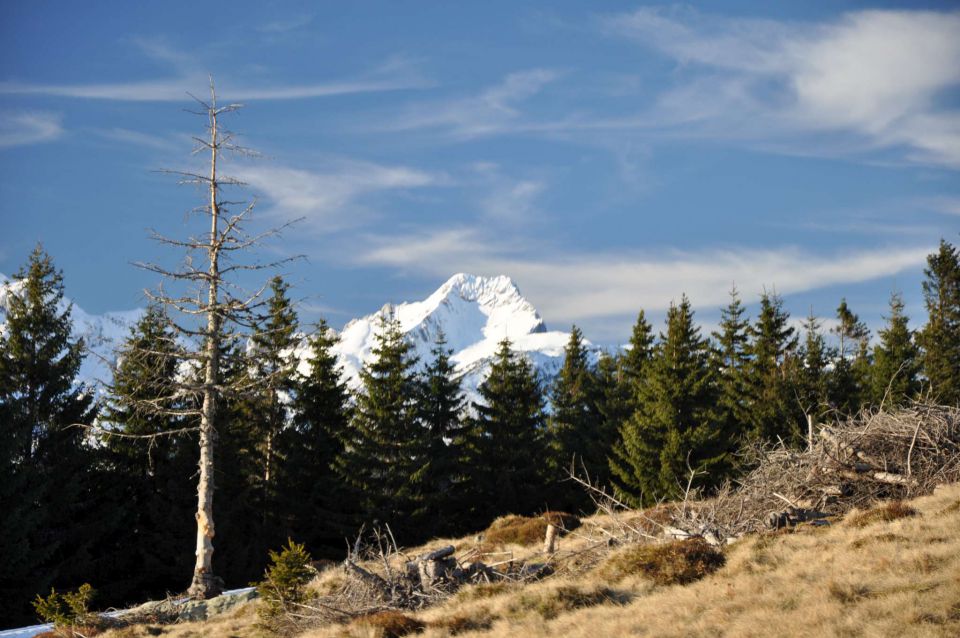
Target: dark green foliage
<point>812,375</point>
<point>49,519</point>
<point>625,459</point>
<point>507,438</point>
<point>309,490</point>
<point>614,406</point>
<point>152,490</point>
<point>675,425</point>
<point>238,507</point>
<point>731,362</point>
<point>940,338</point>
<point>774,411</point>
<point>273,345</point>
<point>284,585</point>
<point>69,609</point>
<point>386,444</point>
<point>895,374</point>
<point>443,478</point>
<point>851,365</point>
<point>577,432</point>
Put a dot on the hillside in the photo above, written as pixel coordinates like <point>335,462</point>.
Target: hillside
<point>859,575</point>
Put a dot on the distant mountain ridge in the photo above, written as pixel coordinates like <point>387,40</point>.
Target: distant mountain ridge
<point>474,313</point>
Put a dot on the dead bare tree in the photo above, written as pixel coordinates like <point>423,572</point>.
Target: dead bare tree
<point>213,310</point>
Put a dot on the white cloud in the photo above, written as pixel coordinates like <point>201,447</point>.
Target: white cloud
<point>29,127</point>
<point>876,75</point>
<point>175,89</point>
<point>491,111</point>
<point>586,286</point>
<point>328,198</point>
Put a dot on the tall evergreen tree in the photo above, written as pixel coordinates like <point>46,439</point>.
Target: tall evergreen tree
<point>443,478</point>
<point>851,365</point>
<point>386,445</point>
<point>315,507</point>
<point>638,354</point>
<point>507,438</point>
<point>940,338</point>
<point>275,364</point>
<point>812,375</point>
<point>895,374</point>
<point>676,423</point>
<point>575,427</point>
<point>49,520</point>
<point>773,405</point>
<point>625,461</point>
<point>731,362</point>
<point>151,486</point>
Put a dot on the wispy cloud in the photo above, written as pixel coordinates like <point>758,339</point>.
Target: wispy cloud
<point>175,89</point>
<point>29,127</point>
<point>286,25</point>
<point>139,138</point>
<point>590,286</point>
<point>492,110</point>
<point>329,197</point>
<point>877,76</point>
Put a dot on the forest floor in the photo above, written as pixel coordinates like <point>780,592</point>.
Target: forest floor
<point>890,571</point>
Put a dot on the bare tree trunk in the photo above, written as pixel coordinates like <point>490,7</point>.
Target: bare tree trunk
<point>205,584</point>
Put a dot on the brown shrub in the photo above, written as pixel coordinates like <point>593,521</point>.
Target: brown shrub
<point>482,590</point>
<point>673,563</point>
<point>392,624</point>
<point>481,620</point>
<point>551,603</point>
<point>882,513</point>
<point>527,530</point>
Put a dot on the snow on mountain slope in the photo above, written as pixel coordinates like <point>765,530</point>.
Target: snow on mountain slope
<point>102,334</point>
<point>475,314</point>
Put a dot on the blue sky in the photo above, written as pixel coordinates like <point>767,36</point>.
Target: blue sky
<point>607,156</point>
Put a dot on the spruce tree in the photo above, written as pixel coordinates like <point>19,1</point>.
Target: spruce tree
<point>386,444</point>
<point>49,509</point>
<point>575,426</point>
<point>895,374</point>
<point>676,421</point>
<point>625,461</point>
<point>443,478</point>
<point>315,508</point>
<point>730,363</point>
<point>507,438</point>
<point>940,338</point>
<point>812,375</point>
<point>151,486</point>
<point>273,345</point>
<point>774,411</point>
<point>851,365</point>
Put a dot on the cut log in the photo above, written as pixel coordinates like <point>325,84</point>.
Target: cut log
<point>443,552</point>
<point>550,540</point>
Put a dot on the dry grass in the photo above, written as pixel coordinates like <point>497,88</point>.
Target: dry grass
<point>898,575</point>
<point>526,530</point>
<point>881,513</point>
<point>674,563</point>
<point>390,624</point>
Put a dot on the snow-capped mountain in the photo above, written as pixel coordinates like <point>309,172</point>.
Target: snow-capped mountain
<point>474,313</point>
<point>102,334</point>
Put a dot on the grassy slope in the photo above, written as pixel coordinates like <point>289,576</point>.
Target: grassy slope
<point>886,578</point>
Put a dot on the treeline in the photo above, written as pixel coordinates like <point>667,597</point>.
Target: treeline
<point>104,491</point>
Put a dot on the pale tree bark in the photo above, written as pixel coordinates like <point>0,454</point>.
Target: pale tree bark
<point>215,313</point>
